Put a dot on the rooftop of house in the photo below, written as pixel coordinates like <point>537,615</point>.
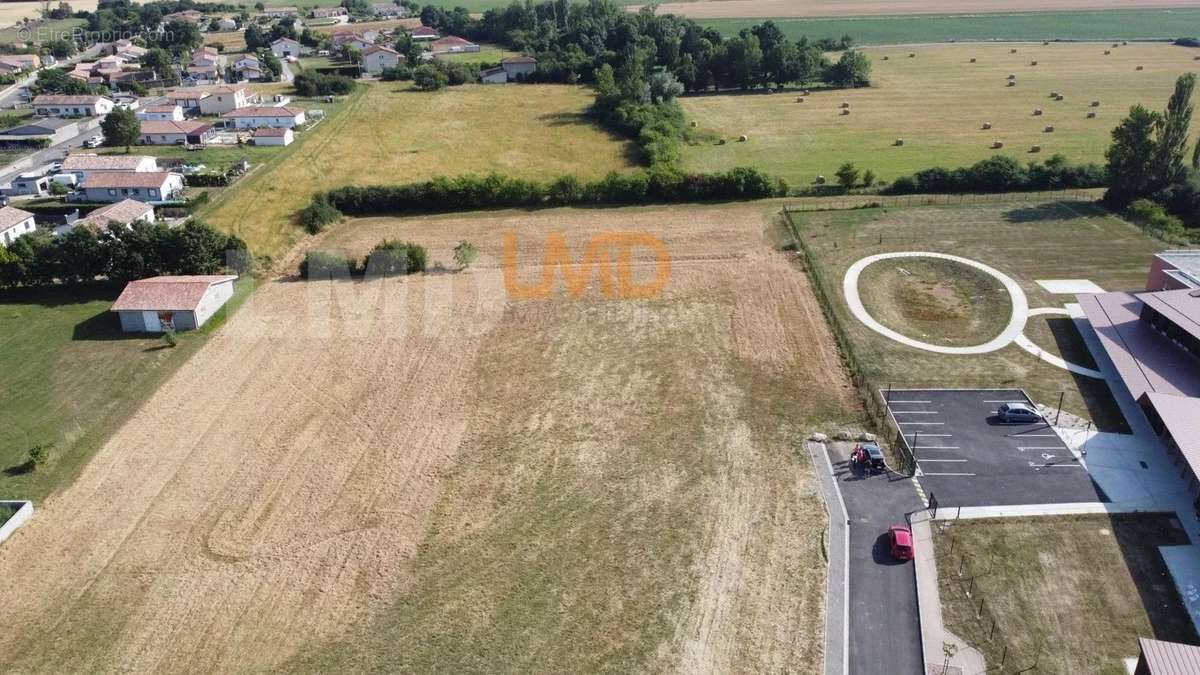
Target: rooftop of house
<point>38,127</point>
<point>264,111</point>
<point>519,59</point>
<point>182,293</point>
<point>1180,307</point>
<point>1169,658</point>
<point>169,108</point>
<point>11,215</point>
<point>173,127</point>
<point>269,132</point>
<point>453,40</point>
<point>1186,264</point>
<point>124,211</point>
<point>60,99</point>
<point>126,179</point>
<point>103,162</point>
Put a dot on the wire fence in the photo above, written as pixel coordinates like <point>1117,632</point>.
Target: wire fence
<point>845,202</point>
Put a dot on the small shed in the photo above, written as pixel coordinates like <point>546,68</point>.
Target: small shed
<point>273,136</point>
<point>159,304</point>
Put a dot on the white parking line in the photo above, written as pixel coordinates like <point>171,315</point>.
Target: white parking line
<point>936,423</point>
<point>1034,436</point>
<point>925,459</point>
<point>1066,465</point>
<point>914,412</point>
<point>992,401</point>
<point>1039,447</point>
<point>895,401</point>
<point>948,474</point>
<point>936,447</point>
<point>925,435</point>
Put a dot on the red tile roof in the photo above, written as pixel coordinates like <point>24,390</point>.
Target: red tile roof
<point>272,131</point>
<point>452,41</point>
<point>11,215</point>
<point>174,127</point>
<point>126,179</point>
<point>177,294</point>
<point>263,111</point>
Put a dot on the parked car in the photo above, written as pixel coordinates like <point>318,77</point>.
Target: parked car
<point>56,167</point>
<point>1018,412</point>
<point>900,542</point>
<point>93,142</point>
<point>868,456</point>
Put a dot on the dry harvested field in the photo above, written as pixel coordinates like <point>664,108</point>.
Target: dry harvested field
<point>13,12</point>
<point>733,9</point>
<point>426,474</point>
<point>938,101</point>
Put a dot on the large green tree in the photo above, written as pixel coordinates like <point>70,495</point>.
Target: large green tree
<point>121,127</point>
<point>1131,156</point>
<point>1170,151</point>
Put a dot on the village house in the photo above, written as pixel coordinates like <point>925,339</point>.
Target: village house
<point>389,10</point>
<point>495,75</point>
<point>13,223</point>
<point>160,304</point>
<point>188,99</point>
<point>54,130</point>
<point>124,212</point>
<point>421,33</point>
<point>220,100</point>
<point>144,186</point>
<point>254,117</point>
<point>452,44</point>
<point>35,183</point>
<point>126,50</point>
<point>280,12</point>
<point>273,136</point>
<point>15,63</point>
<point>226,25</point>
<point>167,132</point>
<point>84,165</point>
<point>249,68</point>
<point>186,16</point>
<point>376,57</point>
<point>57,105</point>
<point>168,112</point>
<point>518,67</point>
<point>328,12</point>
<point>285,47</point>
<point>348,39</point>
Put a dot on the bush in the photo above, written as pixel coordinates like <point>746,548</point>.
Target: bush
<point>400,73</point>
<point>38,456</point>
<point>319,84</point>
<point>429,78</point>
<point>465,253</point>
<point>1001,173</point>
<point>319,213</point>
<point>391,258</point>
<point>325,265</point>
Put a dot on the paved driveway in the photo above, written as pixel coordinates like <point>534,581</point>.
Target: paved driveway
<point>967,457</point>
<point>885,631</point>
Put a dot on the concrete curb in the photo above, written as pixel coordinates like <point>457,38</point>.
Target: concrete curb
<point>837,640</point>
<point>1034,510</point>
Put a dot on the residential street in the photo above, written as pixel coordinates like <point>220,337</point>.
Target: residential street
<point>884,630</point>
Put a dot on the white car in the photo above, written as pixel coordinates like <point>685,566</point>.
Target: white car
<point>93,142</point>
<point>1018,412</point>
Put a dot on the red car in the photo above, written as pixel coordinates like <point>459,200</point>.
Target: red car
<point>901,543</point>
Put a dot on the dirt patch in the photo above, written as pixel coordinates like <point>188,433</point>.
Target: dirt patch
<point>424,474</point>
<point>937,301</point>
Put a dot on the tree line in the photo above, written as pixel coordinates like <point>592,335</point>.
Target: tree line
<point>1002,173</point>
<point>117,254</point>
<point>470,192</point>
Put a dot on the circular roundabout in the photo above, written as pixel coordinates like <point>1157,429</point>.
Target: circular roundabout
<point>1012,332</point>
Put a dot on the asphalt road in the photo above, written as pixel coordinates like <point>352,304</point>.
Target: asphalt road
<point>968,457</point>
<point>885,628</point>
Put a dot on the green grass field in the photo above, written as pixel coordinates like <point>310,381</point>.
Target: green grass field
<point>486,54</point>
<point>214,157</point>
<point>43,32</point>
<point>1026,240</point>
<point>388,133</point>
<point>1138,24</point>
<point>69,377</point>
<point>937,102</point>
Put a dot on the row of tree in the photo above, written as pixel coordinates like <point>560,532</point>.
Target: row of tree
<point>1149,157</point>
<point>1001,173</point>
<point>465,193</point>
<point>118,254</point>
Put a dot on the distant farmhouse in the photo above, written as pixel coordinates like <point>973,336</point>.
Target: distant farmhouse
<point>56,105</point>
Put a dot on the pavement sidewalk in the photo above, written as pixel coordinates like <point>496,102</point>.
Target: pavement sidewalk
<point>966,660</point>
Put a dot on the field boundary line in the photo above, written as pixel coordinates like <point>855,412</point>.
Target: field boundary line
<point>846,202</point>
<point>826,482</point>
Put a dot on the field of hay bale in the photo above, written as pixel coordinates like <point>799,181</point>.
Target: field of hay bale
<point>948,110</point>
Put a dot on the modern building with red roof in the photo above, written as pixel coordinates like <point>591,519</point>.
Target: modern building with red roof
<point>452,44</point>
<point>159,304</point>
<point>1153,340</point>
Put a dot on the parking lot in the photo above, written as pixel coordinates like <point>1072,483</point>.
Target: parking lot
<point>967,457</point>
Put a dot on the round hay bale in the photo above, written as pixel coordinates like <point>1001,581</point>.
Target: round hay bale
<point>1048,130</point>
<point>1196,58</point>
<point>987,125</point>
<point>1012,83</point>
<point>1036,148</point>
<point>912,55</point>
<point>1033,63</point>
<point>898,142</point>
<point>1141,67</point>
<point>818,437</point>
<point>1124,42</point>
<point>1037,111</point>
<point>1045,42</point>
<point>885,58</point>
<point>806,93</point>
<point>1115,45</point>
<point>1060,97</point>
<point>1054,94</point>
<point>799,99</point>
<point>845,104</point>
<point>742,138</point>
<point>721,142</point>
<point>1095,104</point>
<point>845,111</point>
<point>1091,115</point>
<point>693,124</point>
<point>820,180</point>
<point>1012,51</point>
<point>997,145</point>
<point>972,60</point>
<point>1107,52</point>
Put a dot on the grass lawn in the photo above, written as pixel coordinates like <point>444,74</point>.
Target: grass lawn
<point>1025,240</point>
<point>486,54</point>
<point>215,157</point>
<point>937,102</point>
<point>1079,590</point>
<point>69,378</point>
<point>44,31</point>
<point>387,133</point>
<point>1133,24</point>
<point>233,41</point>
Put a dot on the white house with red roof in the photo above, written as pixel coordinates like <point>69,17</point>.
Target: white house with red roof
<point>159,304</point>
<point>14,222</point>
<point>168,111</point>
<point>253,117</point>
<point>144,186</point>
<point>423,33</point>
<point>376,57</point>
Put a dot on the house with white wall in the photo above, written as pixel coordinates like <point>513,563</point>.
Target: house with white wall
<point>160,304</point>
<point>14,222</point>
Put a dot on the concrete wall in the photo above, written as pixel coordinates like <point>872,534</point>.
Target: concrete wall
<point>24,513</point>
<point>214,299</point>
